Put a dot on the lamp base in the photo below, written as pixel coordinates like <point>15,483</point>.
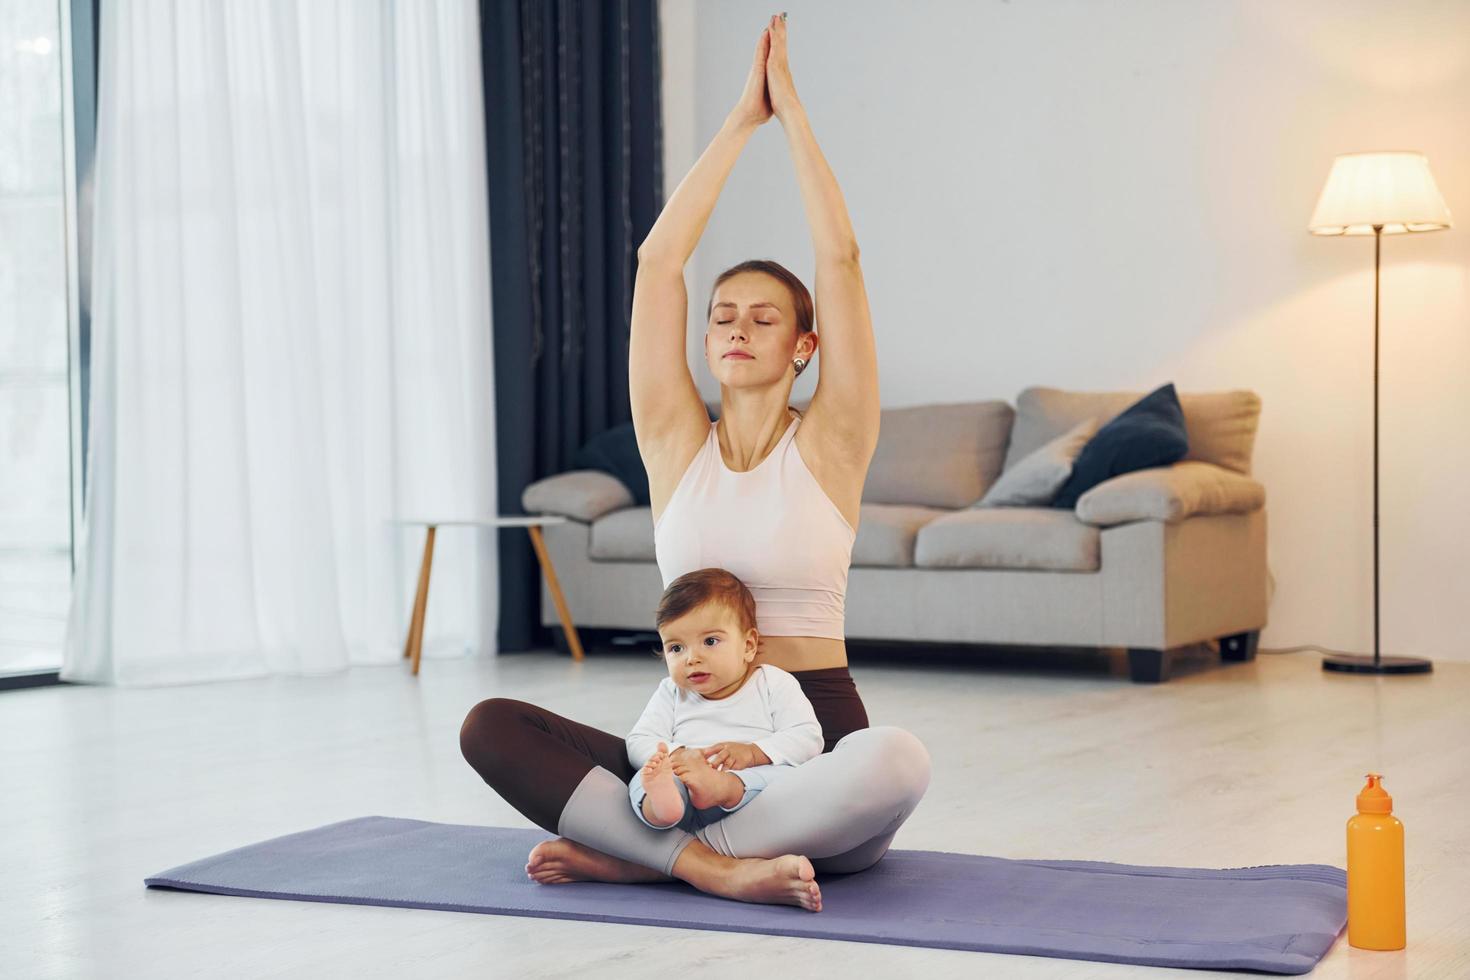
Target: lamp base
<point>1363,664</point>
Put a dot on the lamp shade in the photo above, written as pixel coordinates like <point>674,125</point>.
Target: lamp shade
<point>1390,188</point>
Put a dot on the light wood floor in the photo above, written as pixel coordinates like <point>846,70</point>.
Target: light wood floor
<point>1034,757</point>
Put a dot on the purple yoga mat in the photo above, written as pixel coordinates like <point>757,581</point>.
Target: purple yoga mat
<point>1277,918</point>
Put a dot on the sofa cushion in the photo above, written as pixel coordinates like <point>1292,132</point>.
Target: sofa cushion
<point>1042,538</point>
<point>1148,433</point>
<point>1221,425</point>
<point>623,535</point>
<point>615,452</point>
<point>886,533</point>
<point>938,455</point>
<point>584,495</point>
<point>1170,494</point>
<point>1035,480</point>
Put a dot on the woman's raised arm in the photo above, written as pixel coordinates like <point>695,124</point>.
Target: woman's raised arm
<point>661,389</point>
<point>845,404</point>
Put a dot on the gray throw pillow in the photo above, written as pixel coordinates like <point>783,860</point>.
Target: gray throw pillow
<point>1035,479</point>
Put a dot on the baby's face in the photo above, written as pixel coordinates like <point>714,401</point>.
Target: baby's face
<point>707,652</point>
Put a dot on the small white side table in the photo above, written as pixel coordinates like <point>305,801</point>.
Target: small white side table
<point>413,647</point>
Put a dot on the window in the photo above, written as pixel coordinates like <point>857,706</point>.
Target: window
<point>35,331</point>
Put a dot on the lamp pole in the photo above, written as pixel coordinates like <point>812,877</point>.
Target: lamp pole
<point>1377,252</point>
<point>1378,664</point>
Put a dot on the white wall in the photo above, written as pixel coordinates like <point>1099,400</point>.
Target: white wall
<point>1108,196</point>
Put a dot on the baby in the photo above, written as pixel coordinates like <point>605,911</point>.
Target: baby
<point>719,729</point>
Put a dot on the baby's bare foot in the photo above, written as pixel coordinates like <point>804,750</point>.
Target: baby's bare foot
<point>710,787</point>
<point>663,804</point>
<point>556,862</point>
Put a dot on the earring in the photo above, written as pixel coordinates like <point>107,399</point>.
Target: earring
<point>800,364</point>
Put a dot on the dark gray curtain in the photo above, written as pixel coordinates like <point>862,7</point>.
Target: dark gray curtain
<point>572,131</point>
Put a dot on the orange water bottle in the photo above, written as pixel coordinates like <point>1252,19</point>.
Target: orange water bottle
<point>1375,871</point>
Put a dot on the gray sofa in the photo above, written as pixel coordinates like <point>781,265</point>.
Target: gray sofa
<point>1150,561</point>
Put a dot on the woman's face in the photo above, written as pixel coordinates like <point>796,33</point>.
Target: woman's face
<point>750,339</point>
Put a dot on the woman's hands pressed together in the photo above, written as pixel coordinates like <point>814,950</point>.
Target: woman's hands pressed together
<point>780,89</point>
<point>769,89</point>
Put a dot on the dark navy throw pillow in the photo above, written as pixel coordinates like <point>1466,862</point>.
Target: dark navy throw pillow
<point>615,452</point>
<point>1150,432</point>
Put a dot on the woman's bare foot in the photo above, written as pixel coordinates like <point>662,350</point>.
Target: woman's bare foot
<point>555,862</point>
<point>786,880</point>
<point>663,804</point>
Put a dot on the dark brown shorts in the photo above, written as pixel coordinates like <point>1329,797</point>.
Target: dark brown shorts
<point>834,696</point>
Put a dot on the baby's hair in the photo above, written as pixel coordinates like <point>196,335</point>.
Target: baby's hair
<point>692,590</point>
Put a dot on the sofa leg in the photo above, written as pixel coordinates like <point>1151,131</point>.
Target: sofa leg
<point>559,640</point>
<point>1148,666</point>
<point>1239,646</point>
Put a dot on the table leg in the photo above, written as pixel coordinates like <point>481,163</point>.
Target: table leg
<point>567,625</point>
<point>413,648</point>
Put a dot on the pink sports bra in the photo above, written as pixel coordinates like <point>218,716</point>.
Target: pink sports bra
<point>772,526</point>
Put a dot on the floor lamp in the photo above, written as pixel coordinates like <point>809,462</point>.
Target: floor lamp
<point>1383,193</point>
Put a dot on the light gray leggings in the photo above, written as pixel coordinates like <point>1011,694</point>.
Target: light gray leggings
<point>840,809</point>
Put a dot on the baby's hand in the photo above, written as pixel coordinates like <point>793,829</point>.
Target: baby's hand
<point>736,755</point>
<point>685,756</point>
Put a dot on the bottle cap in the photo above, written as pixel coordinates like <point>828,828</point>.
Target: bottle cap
<point>1373,798</point>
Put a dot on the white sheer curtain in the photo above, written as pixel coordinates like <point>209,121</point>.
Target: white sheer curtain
<point>291,340</point>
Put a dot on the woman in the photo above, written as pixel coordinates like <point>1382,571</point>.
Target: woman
<point>711,487</point>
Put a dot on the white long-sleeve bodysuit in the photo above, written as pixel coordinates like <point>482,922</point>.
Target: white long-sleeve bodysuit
<point>769,710</point>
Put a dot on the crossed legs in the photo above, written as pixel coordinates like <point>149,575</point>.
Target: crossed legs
<point>836,813</point>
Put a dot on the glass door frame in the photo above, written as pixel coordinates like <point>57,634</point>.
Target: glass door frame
<point>73,275</point>
<point>77,21</point>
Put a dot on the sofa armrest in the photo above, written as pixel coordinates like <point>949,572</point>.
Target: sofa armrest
<point>584,495</point>
<point>1170,494</point>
